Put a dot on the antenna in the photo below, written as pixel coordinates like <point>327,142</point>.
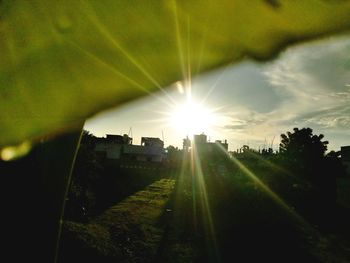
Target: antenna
<point>272,141</point>
<point>163,137</point>
<point>130,132</point>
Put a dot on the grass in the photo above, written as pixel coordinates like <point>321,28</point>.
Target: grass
<point>207,217</point>
<point>246,223</point>
<point>129,231</point>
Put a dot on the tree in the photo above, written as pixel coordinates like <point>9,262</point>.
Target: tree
<point>87,138</point>
<point>173,156</point>
<point>304,154</point>
<point>171,151</point>
<point>302,146</point>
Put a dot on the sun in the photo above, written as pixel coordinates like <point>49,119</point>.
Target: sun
<point>191,118</point>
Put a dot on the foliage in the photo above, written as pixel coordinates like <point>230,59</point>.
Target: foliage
<point>33,192</point>
<point>304,152</point>
<point>171,151</point>
<point>174,157</point>
<point>242,213</point>
<point>87,138</point>
<point>98,183</point>
<point>126,232</point>
<point>87,173</point>
<point>63,61</point>
<point>303,146</point>
<point>304,155</point>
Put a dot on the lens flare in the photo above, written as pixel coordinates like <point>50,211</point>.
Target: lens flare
<point>191,118</point>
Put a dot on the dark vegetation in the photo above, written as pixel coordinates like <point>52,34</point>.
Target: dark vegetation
<point>98,183</point>
<point>31,194</point>
<point>278,207</point>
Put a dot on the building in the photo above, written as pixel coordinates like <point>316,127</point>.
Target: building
<point>150,150</point>
<point>222,144</point>
<point>111,146</point>
<point>118,147</point>
<point>150,141</point>
<point>200,139</point>
<point>203,146</point>
<point>186,145</point>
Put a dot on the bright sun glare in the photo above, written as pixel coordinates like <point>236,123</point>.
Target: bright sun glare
<point>192,118</point>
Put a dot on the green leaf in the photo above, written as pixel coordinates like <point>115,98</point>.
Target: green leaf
<point>62,61</point>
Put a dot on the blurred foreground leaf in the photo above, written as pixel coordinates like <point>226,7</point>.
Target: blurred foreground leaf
<point>62,61</point>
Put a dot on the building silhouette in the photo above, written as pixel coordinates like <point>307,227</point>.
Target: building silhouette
<point>120,147</point>
<point>203,147</point>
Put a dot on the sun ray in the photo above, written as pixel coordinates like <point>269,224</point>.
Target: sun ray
<point>263,187</point>
<point>189,73</point>
<point>199,181</point>
<point>178,40</point>
<point>201,49</point>
<point>116,71</point>
<point>191,117</point>
<point>213,87</point>
<point>158,120</point>
<point>105,32</point>
<point>109,66</point>
<point>277,167</point>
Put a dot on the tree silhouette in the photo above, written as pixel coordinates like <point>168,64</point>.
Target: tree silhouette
<point>302,145</point>
<point>87,138</point>
<point>304,154</point>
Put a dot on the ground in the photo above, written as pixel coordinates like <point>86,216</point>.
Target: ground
<point>210,217</point>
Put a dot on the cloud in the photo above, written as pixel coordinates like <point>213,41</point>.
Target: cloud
<point>322,66</point>
<point>316,77</point>
<point>307,86</point>
<point>311,84</point>
<point>241,85</point>
<point>245,121</point>
<point>334,118</point>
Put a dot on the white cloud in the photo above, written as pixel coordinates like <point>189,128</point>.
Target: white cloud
<point>308,86</point>
<point>312,86</point>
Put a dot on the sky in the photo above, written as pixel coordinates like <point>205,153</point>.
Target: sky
<point>248,103</point>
